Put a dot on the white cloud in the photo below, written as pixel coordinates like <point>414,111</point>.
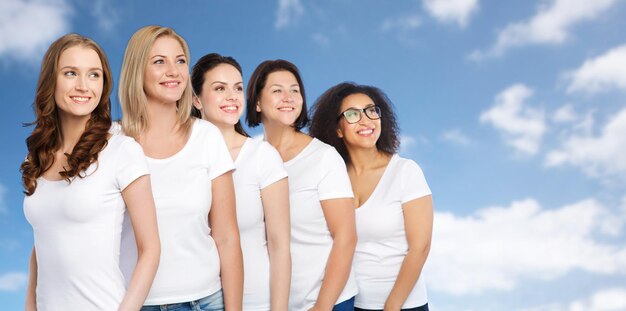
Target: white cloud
<point>565,114</point>
<point>598,156</point>
<point>408,142</point>
<point>28,27</point>
<point>405,23</point>
<point>105,14</point>
<point>288,13</point>
<point>605,72</point>
<point>321,40</point>
<point>551,25</point>
<point>496,248</point>
<point>452,11</point>
<point>522,127</point>
<point>607,299</point>
<point>13,281</point>
<point>456,136</point>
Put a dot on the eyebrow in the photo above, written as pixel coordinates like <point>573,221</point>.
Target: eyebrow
<point>221,82</point>
<point>280,85</point>
<point>163,56</point>
<point>76,68</point>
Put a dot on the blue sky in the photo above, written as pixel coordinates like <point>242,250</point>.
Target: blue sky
<point>516,113</point>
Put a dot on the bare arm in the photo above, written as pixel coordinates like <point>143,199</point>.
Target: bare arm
<point>275,199</point>
<point>31,303</point>
<point>418,224</point>
<point>224,230</point>
<point>339,214</point>
<point>140,206</point>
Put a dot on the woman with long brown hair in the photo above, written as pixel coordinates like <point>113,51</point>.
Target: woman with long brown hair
<point>79,181</point>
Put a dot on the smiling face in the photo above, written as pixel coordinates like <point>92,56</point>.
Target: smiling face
<point>365,132</point>
<point>79,83</point>
<point>221,99</point>
<point>167,71</point>
<point>280,100</point>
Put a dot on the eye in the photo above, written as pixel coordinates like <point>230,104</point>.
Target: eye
<point>219,88</point>
<point>181,61</point>
<point>159,61</point>
<point>295,91</point>
<point>277,91</point>
<point>70,73</point>
<point>94,75</point>
<point>239,88</point>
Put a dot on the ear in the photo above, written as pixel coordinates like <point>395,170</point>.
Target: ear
<point>258,107</point>
<point>339,133</point>
<point>197,103</point>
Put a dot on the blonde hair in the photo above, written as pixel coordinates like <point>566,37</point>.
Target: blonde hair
<point>131,92</point>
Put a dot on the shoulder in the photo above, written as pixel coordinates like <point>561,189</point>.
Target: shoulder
<point>120,143</point>
<point>405,164</point>
<point>204,126</point>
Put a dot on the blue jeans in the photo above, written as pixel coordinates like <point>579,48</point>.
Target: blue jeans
<point>213,302</point>
<point>421,308</point>
<point>347,305</point>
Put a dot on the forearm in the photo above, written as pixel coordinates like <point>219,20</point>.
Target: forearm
<point>280,276</point>
<point>410,271</point>
<point>141,280</point>
<point>337,272</point>
<point>31,301</point>
<point>231,266</point>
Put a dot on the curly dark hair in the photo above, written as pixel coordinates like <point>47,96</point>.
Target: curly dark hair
<point>257,83</point>
<point>326,109</point>
<point>46,137</point>
<point>205,64</point>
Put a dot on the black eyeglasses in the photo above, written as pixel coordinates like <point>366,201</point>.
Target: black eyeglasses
<point>354,115</point>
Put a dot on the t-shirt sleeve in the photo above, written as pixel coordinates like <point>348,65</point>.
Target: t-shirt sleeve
<point>335,182</point>
<point>413,182</point>
<point>270,165</point>
<point>220,160</point>
<point>130,164</point>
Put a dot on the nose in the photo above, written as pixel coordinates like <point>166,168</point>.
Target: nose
<point>81,84</point>
<point>288,97</point>
<point>172,71</point>
<point>232,95</point>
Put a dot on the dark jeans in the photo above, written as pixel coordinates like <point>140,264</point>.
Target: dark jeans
<point>422,308</point>
<point>347,305</point>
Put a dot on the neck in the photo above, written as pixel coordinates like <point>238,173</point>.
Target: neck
<point>280,136</point>
<point>231,137</point>
<point>162,117</point>
<point>71,130</point>
<point>364,159</point>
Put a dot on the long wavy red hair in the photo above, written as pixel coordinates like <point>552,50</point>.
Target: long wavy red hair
<point>46,137</point>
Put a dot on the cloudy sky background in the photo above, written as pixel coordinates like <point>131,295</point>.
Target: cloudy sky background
<point>516,112</point>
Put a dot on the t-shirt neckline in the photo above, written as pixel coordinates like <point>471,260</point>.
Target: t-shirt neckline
<point>380,181</point>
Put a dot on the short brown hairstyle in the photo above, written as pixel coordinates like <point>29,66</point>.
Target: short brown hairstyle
<point>257,83</point>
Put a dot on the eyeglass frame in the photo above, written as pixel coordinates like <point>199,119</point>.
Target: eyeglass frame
<point>362,111</point>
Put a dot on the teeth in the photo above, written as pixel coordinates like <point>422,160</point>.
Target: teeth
<point>366,132</point>
<point>229,108</point>
<point>286,109</point>
<point>170,83</point>
<point>80,99</point>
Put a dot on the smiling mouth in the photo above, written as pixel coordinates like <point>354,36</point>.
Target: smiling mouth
<point>170,84</point>
<point>287,109</point>
<point>80,99</point>
<point>229,108</point>
<point>366,132</point>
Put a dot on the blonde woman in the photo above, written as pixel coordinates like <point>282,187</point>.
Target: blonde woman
<point>201,262</point>
<point>79,181</point>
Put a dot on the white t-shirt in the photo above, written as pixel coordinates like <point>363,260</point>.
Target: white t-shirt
<point>181,185</point>
<point>317,173</point>
<point>382,243</point>
<point>258,165</point>
<point>77,228</point>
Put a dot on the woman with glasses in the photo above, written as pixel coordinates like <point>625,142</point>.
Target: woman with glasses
<point>323,235</point>
<point>394,211</point>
